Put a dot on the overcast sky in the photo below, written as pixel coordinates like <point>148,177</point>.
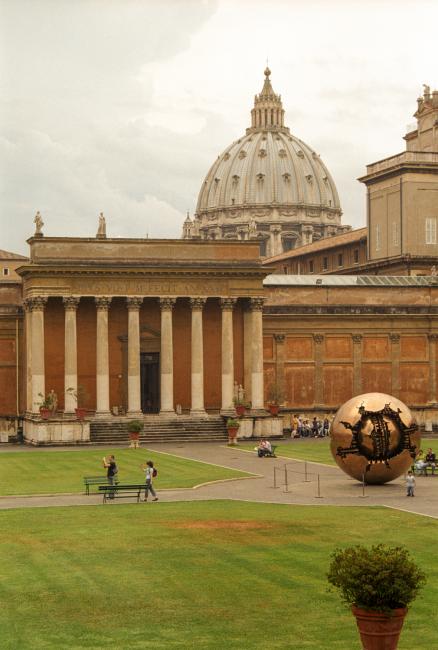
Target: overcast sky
<point>121,106</point>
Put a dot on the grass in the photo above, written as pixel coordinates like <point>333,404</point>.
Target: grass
<point>203,575</point>
<point>51,472</point>
<point>315,450</point>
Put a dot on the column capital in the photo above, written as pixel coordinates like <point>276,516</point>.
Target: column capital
<point>228,303</point>
<point>102,302</point>
<point>394,338</point>
<point>134,303</point>
<point>318,338</point>
<point>279,338</point>
<point>71,302</point>
<point>256,304</point>
<point>432,337</point>
<point>357,338</point>
<point>197,303</point>
<point>167,304</point>
<point>35,303</point>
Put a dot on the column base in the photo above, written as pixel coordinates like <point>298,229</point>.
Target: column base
<point>134,414</point>
<point>228,412</point>
<point>198,413</point>
<point>103,414</point>
<point>167,414</point>
<point>257,412</point>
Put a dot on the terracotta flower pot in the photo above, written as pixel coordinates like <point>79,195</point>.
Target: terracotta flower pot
<point>240,410</point>
<point>134,435</point>
<point>45,413</point>
<point>274,409</point>
<point>232,434</point>
<point>379,630</point>
<point>80,413</point>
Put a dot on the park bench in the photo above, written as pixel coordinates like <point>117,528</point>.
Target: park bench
<point>428,469</point>
<point>121,491</point>
<point>93,480</point>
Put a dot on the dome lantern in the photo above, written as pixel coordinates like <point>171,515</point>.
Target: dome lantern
<point>268,110</point>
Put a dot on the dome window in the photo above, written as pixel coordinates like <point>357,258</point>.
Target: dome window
<point>282,153</point>
<point>286,177</point>
<point>315,155</point>
<point>260,177</point>
<point>227,156</point>
<point>236,178</point>
<point>262,153</point>
<point>300,154</point>
<point>242,154</point>
<point>309,178</point>
<point>216,180</point>
<point>325,179</point>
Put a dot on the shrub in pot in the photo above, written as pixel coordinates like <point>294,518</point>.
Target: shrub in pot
<point>275,397</point>
<point>45,406</point>
<point>80,395</point>
<point>232,428</point>
<point>378,584</point>
<point>241,406</point>
<point>134,428</point>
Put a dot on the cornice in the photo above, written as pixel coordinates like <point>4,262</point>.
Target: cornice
<point>329,310</point>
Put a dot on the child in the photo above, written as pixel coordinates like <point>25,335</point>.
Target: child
<point>410,484</point>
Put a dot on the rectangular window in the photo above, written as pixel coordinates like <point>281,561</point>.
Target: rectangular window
<point>325,263</point>
<point>285,270</point>
<point>378,237</point>
<point>311,266</point>
<point>394,233</point>
<point>340,260</point>
<point>431,230</point>
<point>5,271</point>
<point>356,256</point>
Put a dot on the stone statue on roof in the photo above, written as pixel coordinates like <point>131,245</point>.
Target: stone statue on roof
<point>101,231</point>
<point>39,223</point>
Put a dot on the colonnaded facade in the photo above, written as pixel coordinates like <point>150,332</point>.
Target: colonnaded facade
<point>143,326</point>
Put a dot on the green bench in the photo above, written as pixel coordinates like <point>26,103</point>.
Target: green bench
<point>111,492</point>
<point>93,480</point>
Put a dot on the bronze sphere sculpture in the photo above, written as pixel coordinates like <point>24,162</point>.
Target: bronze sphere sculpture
<point>374,438</point>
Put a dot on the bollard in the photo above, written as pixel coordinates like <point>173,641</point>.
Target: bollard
<point>286,487</point>
<point>306,480</point>
<point>318,496</point>
<point>363,495</point>
<point>275,478</point>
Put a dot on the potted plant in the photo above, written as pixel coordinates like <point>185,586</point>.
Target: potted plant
<point>134,427</point>
<point>80,395</point>
<point>275,396</point>
<point>45,406</point>
<point>232,428</point>
<point>378,584</point>
<point>240,405</point>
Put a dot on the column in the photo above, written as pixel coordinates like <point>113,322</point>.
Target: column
<point>28,330</point>
<point>247,353</point>
<point>395,364</point>
<point>37,305</point>
<point>319,384</point>
<point>166,357</point>
<point>227,306</point>
<point>357,364</point>
<point>279,368</point>
<point>70,354</point>
<point>102,357</point>
<point>134,393</point>
<point>257,397</point>
<point>197,407</point>
<point>433,338</point>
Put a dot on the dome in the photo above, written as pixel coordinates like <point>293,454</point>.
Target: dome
<point>269,185</point>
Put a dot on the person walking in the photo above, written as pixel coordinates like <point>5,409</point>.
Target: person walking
<point>410,484</point>
<point>150,473</point>
<point>111,472</point>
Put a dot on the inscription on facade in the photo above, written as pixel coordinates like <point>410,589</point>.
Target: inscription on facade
<point>149,287</point>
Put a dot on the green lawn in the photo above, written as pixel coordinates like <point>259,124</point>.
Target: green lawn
<point>317,450</point>
<point>50,472</point>
<point>202,575</point>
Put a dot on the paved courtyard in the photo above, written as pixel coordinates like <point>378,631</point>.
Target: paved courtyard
<point>335,488</point>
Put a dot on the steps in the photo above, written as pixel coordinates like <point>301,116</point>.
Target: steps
<point>158,429</point>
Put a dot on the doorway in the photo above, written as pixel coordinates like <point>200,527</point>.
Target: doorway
<point>150,381</point>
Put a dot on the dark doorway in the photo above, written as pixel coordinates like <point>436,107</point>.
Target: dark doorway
<point>150,381</point>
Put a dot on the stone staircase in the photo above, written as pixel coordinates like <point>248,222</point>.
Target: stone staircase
<point>157,429</point>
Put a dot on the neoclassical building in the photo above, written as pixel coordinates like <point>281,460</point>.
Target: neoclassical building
<point>269,186</point>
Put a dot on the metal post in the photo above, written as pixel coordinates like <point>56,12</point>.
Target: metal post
<point>275,478</point>
<point>286,487</point>
<point>363,495</point>
<point>318,496</point>
<point>306,480</point>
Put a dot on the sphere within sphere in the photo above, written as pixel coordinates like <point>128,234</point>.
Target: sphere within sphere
<point>374,437</point>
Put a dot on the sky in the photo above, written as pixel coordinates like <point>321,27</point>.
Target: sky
<point>122,106</point>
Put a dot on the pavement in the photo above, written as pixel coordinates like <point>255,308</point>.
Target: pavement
<point>307,484</point>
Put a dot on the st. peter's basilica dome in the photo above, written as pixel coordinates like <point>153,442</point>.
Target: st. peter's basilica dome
<point>268,185</point>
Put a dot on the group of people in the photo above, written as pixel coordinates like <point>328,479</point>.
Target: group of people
<point>264,448</point>
<point>306,428</point>
<point>422,462</point>
<point>150,473</point>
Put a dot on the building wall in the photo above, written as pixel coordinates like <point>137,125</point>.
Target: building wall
<point>11,350</point>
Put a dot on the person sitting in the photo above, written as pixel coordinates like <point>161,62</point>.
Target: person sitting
<point>419,463</point>
<point>264,448</point>
<point>430,461</point>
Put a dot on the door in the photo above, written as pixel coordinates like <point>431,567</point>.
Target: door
<point>150,381</point>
